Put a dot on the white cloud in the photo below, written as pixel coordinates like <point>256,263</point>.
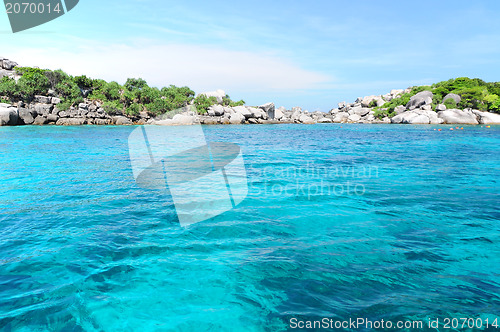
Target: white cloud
<point>199,67</point>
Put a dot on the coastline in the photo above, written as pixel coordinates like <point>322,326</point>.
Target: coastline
<point>44,111</point>
<point>32,96</point>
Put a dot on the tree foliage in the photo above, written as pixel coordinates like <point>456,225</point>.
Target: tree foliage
<point>475,93</point>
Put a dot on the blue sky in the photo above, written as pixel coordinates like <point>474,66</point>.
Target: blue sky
<point>294,53</point>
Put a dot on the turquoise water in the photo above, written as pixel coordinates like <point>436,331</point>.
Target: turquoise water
<point>341,221</point>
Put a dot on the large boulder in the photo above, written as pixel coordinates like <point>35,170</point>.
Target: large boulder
<point>325,120</point>
<point>257,113</point>
<point>73,122</point>
<point>100,122</point>
<point>218,94</point>
<point>243,111</point>
<point>52,118</point>
<point>306,119</point>
<point>453,96</point>
<point>399,109</point>
<point>279,113</point>
<point>433,117</point>
<point>419,100</point>
<point>354,118</point>
<point>407,117</point>
<point>317,115</point>
<point>216,110</point>
<point>456,116</point>
<point>182,119</point>
<point>417,117</point>
<point>43,99</point>
<point>8,115</point>
<point>122,121</point>
<point>26,116</point>
<point>440,107</point>
<point>209,120</point>
<point>359,111</point>
<point>8,64</point>
<point>296,114</point>
<point>236,118</point>
<point>368,101</point>
<point>40,120</point>
<point>43,109</point>
<point>341,117</point>
<point>487,117</point>
<point>269,109</point>
<point>4,73</point>
<point>397,92</point>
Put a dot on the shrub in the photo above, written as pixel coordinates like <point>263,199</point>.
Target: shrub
<point>203,102</point>
<point>473,97</point>
<point>84,82</point>
<point>56,76</point>
<point>475,93</point>
<point>104,91</point>
<point>8,88</point>
<point>381,113</point>
<point>133,84</point>
<point>113,107</point>
<point>493,102</point>
<point>32,82</point>
<point>450,103</point>
<point>391,105</point>
<point>240,102</point>
<point>134,109</point>
<point>226,101</point>
<point>158,106</point>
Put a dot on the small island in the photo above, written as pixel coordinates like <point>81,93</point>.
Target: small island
<point>34,96</point>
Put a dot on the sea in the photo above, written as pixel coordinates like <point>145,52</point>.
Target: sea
<point>341,223</point>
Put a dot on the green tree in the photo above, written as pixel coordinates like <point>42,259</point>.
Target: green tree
<point>133,84</point>
<point>203,102</point>
<point>84,82</point>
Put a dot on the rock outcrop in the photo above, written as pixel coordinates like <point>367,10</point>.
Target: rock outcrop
<point>420,99</point>
<point>487,117</point>
<point>8,115</point>
<point>421,109</point>
<point>419,116</point>
<point>456,98</point>
<point>7,68</point>
<point>456,116</point>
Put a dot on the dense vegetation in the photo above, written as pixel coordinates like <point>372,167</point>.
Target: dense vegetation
<point>475,93</point>
<point>133,97</point>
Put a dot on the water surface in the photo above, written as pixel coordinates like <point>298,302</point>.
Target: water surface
<point>342,221</point>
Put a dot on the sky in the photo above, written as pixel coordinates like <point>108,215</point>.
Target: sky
<point>293,53</point>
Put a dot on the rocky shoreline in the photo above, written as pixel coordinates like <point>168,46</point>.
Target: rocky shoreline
<point>43,110</point>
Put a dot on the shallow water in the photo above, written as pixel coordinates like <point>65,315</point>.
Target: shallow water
<point>341,221</point>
